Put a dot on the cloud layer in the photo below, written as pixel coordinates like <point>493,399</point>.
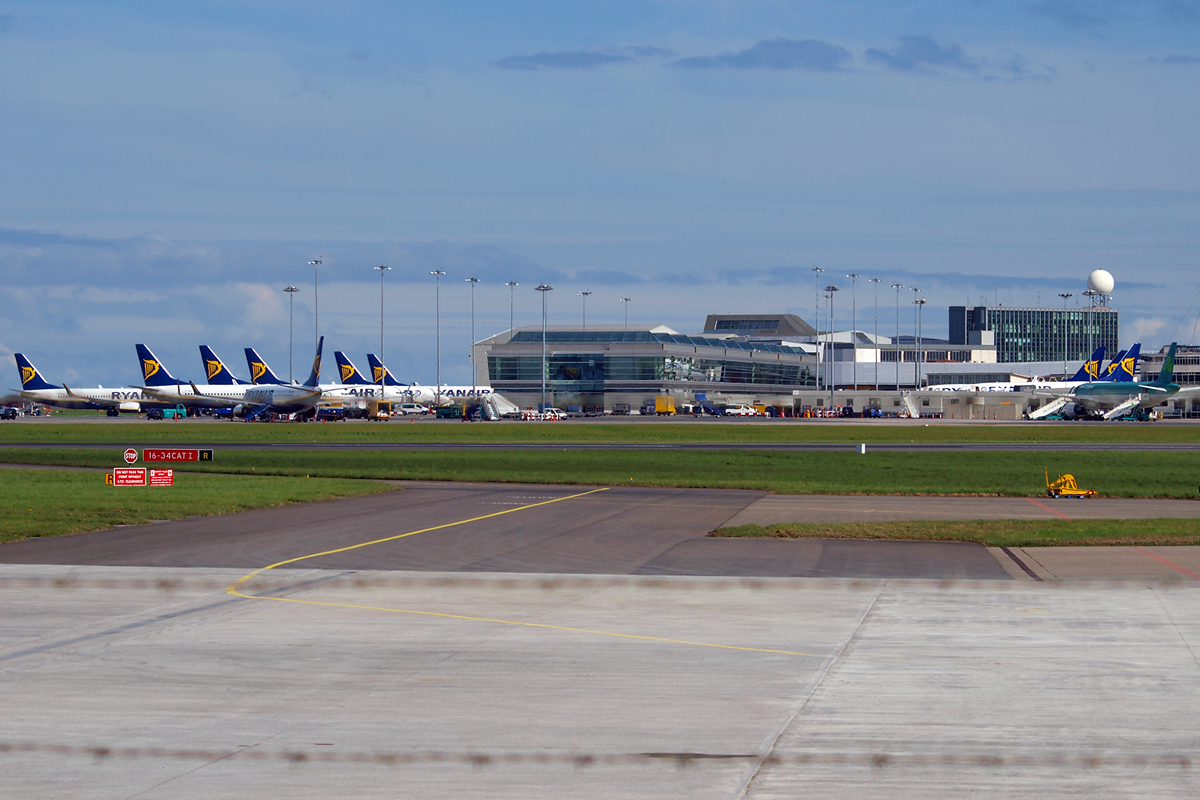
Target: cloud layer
<point>776,54</point>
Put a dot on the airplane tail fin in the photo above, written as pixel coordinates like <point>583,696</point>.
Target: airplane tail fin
<point>260,373</point>
<point>1167,373</point>
<point>1091,368</point>
<point>1126,370</point>
<point>31,379</point>
<point>218,374</point>
<point>1109,372</point>
<point>153,371</point>
<point>314,377</point>
<point>347,372</point>
<point>378,371</point>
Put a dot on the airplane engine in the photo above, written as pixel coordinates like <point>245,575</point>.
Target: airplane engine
<point>1074,411</point>
<point>132,408</point>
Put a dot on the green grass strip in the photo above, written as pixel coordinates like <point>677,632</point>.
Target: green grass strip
<point>635,431</point>
<point>994,533</point>
<point>37,503</point>
<point>992,473</point>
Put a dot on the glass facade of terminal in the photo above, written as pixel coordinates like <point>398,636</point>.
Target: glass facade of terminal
<point>1038,334</point>
<point>627,366</point>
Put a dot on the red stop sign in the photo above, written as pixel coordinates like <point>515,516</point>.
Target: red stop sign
<point>130,456</point>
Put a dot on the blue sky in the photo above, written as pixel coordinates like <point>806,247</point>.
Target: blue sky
<point>171,166</point>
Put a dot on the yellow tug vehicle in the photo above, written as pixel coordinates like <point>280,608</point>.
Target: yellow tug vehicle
<point>1066,486</point>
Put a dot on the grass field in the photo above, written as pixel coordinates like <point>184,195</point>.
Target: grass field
<point>995,533</point>
<point>54,502</point>
<point>707,431</point>
<point>1006,473</point>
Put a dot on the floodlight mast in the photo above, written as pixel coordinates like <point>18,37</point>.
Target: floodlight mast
<point>854,276</point>
<point>916,352</point>
<point>291,293</point>
<point>543,288</point>
<point>437,306</point>
<point>316,307</point>
<point>474,378</point>
<point>511,289</point>
<point>897,287</point>
<point>626,301</point>
<point>832,378</point>
<point>584,295</point>
<point>816,271</point>
<point>382,352</point>
<point>875,344</point>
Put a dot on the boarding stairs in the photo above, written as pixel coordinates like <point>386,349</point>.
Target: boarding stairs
<point>1123,408</point>
<point>1053,407</point>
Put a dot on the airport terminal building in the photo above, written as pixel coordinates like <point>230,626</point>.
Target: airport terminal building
<point>599,369</point>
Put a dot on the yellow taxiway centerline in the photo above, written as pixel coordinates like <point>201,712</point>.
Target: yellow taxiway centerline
<point>235,588</point>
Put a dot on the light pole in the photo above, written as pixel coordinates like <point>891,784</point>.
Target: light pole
<point>437,326</point>
<point>854,276</point>
<point>543,288</point>
<point>816,271</point>
<point>291,293</point>
<point>1066,330</point>
<point>382,353</point>
<point>584,295</point>
<point>511,288</point>
<point>1091,296</point>
<point>920,349</point>
<point>473,281</point>
<point>316,308</point>
<point>626,301</point>
<point>830,377</point>
<point>875,355</point>
<point>897,287</point>
<point>916,351</point>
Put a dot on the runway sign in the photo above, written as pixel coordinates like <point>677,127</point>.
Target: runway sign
<point>160,454</point>
<point>130,456</point>
<point>129,476</point>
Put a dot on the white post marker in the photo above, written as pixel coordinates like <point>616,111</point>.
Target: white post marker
<point>862,449</point>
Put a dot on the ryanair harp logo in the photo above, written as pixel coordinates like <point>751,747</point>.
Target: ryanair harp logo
<point>257,370</point>
<point>27,374</point>
<point>1127,365</point>
<point>212,368</point>
<point>1092,368</point>
<point>377,374</point>
<point>150,368</point>
<point>347,373</point>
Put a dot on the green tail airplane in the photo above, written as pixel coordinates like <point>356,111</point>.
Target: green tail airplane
<point>1108,400</point>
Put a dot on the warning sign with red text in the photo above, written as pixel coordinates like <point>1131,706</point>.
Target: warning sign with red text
<point>162,477</point>
<point>129,476</point>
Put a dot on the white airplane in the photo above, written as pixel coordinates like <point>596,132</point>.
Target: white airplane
<point>36,389</point>
<point>425,395</point>
<point>1088,372</point>
<point>266,393</point>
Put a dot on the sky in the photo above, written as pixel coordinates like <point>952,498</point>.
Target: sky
<point>170,167</point>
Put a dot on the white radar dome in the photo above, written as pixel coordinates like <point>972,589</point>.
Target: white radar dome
<point>1101,281</point>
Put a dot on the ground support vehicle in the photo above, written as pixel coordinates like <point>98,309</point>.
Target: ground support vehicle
<point>413,408</point>
<point>664,406</point>
<point>621,409</point>
<point>1065,486</point>
<point>741,410</point>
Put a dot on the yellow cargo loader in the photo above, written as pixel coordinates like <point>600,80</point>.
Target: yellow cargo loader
<point>1065,486</point>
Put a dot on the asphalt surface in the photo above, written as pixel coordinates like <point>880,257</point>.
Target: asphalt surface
<point>617,531</point>
<point>772,446</point>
